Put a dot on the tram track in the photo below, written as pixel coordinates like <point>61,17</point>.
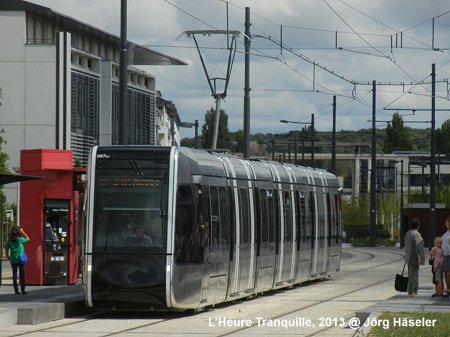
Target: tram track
<point>320,331</point>
<point>158,319</point>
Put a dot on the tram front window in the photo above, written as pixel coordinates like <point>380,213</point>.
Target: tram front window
<point>130,209</point>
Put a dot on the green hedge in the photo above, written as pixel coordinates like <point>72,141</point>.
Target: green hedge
<point>363,231</point>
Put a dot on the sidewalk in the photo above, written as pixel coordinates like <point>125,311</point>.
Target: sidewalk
<point>41,304</point>
<point>401,302</point>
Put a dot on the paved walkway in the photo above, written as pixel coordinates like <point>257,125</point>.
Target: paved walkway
<point>41,304</point>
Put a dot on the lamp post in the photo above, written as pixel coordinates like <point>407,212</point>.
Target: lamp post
<point>312,133</point>
<point>190,125</point>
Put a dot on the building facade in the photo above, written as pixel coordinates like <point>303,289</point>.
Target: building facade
<point>60,85</point>
<point>167,126</point>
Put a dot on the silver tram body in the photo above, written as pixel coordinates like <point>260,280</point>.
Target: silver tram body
<point>221,228</point>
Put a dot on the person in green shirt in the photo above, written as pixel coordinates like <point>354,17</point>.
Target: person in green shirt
<point>14,247</point>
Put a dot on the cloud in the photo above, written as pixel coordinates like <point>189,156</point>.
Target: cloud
<point>324,42</point>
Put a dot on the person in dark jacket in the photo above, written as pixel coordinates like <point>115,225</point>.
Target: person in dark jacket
<point>14,250</point>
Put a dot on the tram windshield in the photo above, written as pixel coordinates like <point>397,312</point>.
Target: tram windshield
<point>130,205</point>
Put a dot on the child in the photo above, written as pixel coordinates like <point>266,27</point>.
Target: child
<point>437,256</point>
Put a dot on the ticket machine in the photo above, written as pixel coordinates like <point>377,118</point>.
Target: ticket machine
<point>48,213</point>
<point>56,238</point>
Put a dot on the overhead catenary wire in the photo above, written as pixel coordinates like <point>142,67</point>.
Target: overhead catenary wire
<point>260,52</point>
<point>313,62</point>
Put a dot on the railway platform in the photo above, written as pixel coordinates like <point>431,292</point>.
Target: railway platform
<point>41,303</point>
<point>48,303</point>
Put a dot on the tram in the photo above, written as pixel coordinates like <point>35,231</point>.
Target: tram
<point>173,228</point>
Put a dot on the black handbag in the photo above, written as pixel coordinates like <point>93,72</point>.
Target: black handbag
<point>401,282</point>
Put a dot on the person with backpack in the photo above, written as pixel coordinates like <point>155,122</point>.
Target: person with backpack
<point>15,252</point>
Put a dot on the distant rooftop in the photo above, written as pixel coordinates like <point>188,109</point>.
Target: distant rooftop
<point>141,55</point>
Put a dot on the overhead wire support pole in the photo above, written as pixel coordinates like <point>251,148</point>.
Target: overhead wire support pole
<point>123,79</point>
<point>333,142</point>
<point>212,81</point>
<point>216,123</point>
<point>213,90</point>
<point>432,226</point>
<point>247,40</point>
<point>432,36</point>
<point>373,172</point>
<point>312,140</point>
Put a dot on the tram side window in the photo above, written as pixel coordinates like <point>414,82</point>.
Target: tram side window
<point>335,216</point>
<point>302,215</point>
<point>287,216</point>
<point>215,219</point>
<point>200,235</point>
<point>264,218</point>
<point>245,215</point>
<point>224,216</point>
<point>329,213</point>
<point>297,219</point>
<point>258,220</point>
<point>312,212</point>
<point>271,217</point>
<point>184,225</point>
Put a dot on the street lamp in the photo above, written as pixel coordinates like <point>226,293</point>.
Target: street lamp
<point>190,125</point>
<point>312,133</point>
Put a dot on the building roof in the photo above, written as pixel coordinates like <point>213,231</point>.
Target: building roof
<point>171,109</point>
<point>141,55</point>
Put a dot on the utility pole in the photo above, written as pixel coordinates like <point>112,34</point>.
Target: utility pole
<point>432,225</point>
<point>123,76</point>
<point>312,140</point>
<point>373,172</point>
<point>333,142</point>
<point>247,85</point>
<point>196,133</point>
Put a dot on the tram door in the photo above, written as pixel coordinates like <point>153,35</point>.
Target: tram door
<point>56,241</point>
<point>218,252</point>
<point>305,234</point>
<point>322,234</point>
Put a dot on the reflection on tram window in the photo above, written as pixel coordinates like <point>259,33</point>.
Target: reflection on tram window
<point>191,234</point>
<point>143,229</point>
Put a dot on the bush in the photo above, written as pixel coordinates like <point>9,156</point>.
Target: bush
<point>363,231</point>
<point>365,242</point>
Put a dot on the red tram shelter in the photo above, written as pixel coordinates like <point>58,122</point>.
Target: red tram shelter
<point>48,211</point>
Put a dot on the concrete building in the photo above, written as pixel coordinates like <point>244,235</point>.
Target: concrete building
<point>59,80</point>
<point>168,122</point>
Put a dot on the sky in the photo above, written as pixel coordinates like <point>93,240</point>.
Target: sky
<point>303,52</point>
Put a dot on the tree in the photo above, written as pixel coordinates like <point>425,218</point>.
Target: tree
<point>3,155</point>
<point>443,138</point>
<point>223,135</point>
<point>397,136</point>
<point>237,141</point>
<point>4,169</point>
